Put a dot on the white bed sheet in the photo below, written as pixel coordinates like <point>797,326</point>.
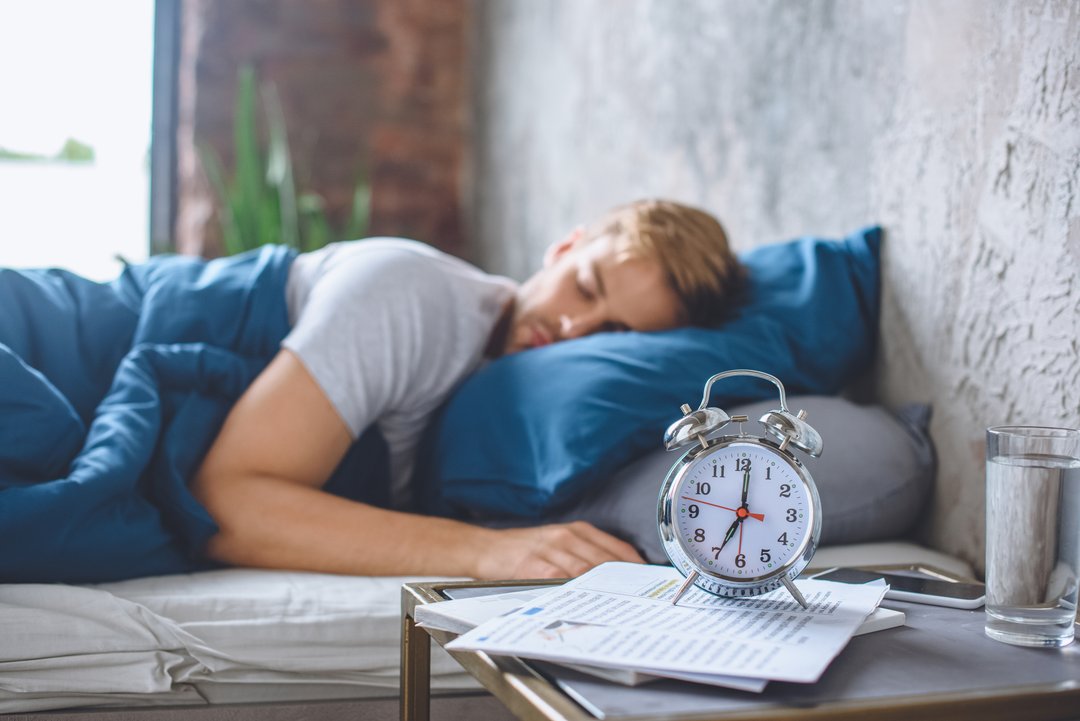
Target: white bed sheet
<point>186,638</point>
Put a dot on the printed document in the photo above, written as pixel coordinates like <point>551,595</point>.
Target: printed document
<point>464,614</point>
<point>620,615</point>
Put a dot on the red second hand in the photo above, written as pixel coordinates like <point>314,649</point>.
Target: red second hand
<point>758,516</point>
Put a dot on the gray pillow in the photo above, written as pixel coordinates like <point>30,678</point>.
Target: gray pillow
<point>874,476</point>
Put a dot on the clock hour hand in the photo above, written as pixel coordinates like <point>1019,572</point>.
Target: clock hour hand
<point>731,531</point>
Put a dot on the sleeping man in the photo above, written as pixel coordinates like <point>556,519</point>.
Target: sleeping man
<point>382,331</point>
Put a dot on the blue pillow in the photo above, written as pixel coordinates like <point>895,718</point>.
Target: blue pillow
<point>530,433</point>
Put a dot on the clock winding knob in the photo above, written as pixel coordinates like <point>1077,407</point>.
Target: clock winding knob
<point>694,427</point>
<point>788,429</point>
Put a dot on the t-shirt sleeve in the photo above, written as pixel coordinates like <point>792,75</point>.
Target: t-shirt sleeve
<point>365,330</point>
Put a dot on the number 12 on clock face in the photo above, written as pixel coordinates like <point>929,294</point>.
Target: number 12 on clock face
<point>742,511</point>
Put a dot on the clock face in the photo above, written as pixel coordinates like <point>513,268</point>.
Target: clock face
<point>742,511</point>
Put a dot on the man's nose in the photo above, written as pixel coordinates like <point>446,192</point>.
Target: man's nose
<point>580,324</point>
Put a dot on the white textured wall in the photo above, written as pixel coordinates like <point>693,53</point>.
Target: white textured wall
<point>956,125</point>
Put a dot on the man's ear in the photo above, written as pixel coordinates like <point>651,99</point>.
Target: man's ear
<point>559,248</point>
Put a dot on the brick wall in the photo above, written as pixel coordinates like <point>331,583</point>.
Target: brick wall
<point>376,82</point>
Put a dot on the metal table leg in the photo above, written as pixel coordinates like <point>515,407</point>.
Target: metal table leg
<point>415,668</point>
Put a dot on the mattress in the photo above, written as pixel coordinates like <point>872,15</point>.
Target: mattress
<point>235,635</point>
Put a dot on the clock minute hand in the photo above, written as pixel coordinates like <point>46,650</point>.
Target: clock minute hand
<point>745,486</point>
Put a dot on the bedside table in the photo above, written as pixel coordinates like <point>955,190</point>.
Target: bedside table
<point>938,666</point>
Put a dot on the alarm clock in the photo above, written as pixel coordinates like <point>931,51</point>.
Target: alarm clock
<point>739,514</point>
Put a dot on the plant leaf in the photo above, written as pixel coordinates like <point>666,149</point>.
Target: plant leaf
<point>279,174</point>
<point>249,177</point>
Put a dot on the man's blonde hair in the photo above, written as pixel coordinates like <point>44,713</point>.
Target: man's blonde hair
<point>691,247</point>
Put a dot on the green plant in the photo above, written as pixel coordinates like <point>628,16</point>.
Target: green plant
<point>73,151</point>
<point>76,152</point>
<point>260,203</point>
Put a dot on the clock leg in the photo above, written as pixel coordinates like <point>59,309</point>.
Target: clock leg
<point>686,585</point>
<point>794,591</point>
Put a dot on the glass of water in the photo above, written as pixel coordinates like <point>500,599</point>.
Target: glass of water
<point>1032,534</point>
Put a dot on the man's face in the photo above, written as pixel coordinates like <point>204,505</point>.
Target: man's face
<point>590,287</point>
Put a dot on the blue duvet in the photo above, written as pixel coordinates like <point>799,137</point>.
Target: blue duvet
<point>110,394</point>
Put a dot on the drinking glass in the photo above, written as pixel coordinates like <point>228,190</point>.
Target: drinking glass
<point>1032,534</point>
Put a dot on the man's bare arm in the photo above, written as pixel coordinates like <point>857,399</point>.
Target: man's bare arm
<point>261,482</point>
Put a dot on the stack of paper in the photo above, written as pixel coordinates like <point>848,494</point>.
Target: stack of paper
<point>617,621</point>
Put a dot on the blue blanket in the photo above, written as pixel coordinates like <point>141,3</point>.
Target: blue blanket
<point>110,395</point>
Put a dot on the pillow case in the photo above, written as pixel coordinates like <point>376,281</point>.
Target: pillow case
<point>531,432</point>
<point>874,477</point>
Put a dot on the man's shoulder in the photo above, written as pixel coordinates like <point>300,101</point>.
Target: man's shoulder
<point>378,250</point>
<point>397,270</point>
<point>371,264</point>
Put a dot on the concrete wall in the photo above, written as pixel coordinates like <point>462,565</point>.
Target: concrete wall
<point>956,125</point>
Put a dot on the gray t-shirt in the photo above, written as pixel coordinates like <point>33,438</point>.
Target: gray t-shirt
<point>388,327</point>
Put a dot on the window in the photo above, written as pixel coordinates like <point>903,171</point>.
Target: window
<point>76,89</point>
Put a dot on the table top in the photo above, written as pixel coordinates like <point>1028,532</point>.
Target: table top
<point>939,664</point>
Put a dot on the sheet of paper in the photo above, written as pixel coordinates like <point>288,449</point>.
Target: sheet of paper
<point>461,615</point>
<point>620,615</point>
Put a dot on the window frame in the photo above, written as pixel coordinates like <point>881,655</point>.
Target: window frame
<point>163,175</point>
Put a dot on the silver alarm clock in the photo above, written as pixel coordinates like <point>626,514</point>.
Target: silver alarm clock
<point>739,514</point>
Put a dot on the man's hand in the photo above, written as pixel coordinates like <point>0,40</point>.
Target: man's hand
<point>554,551</point>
